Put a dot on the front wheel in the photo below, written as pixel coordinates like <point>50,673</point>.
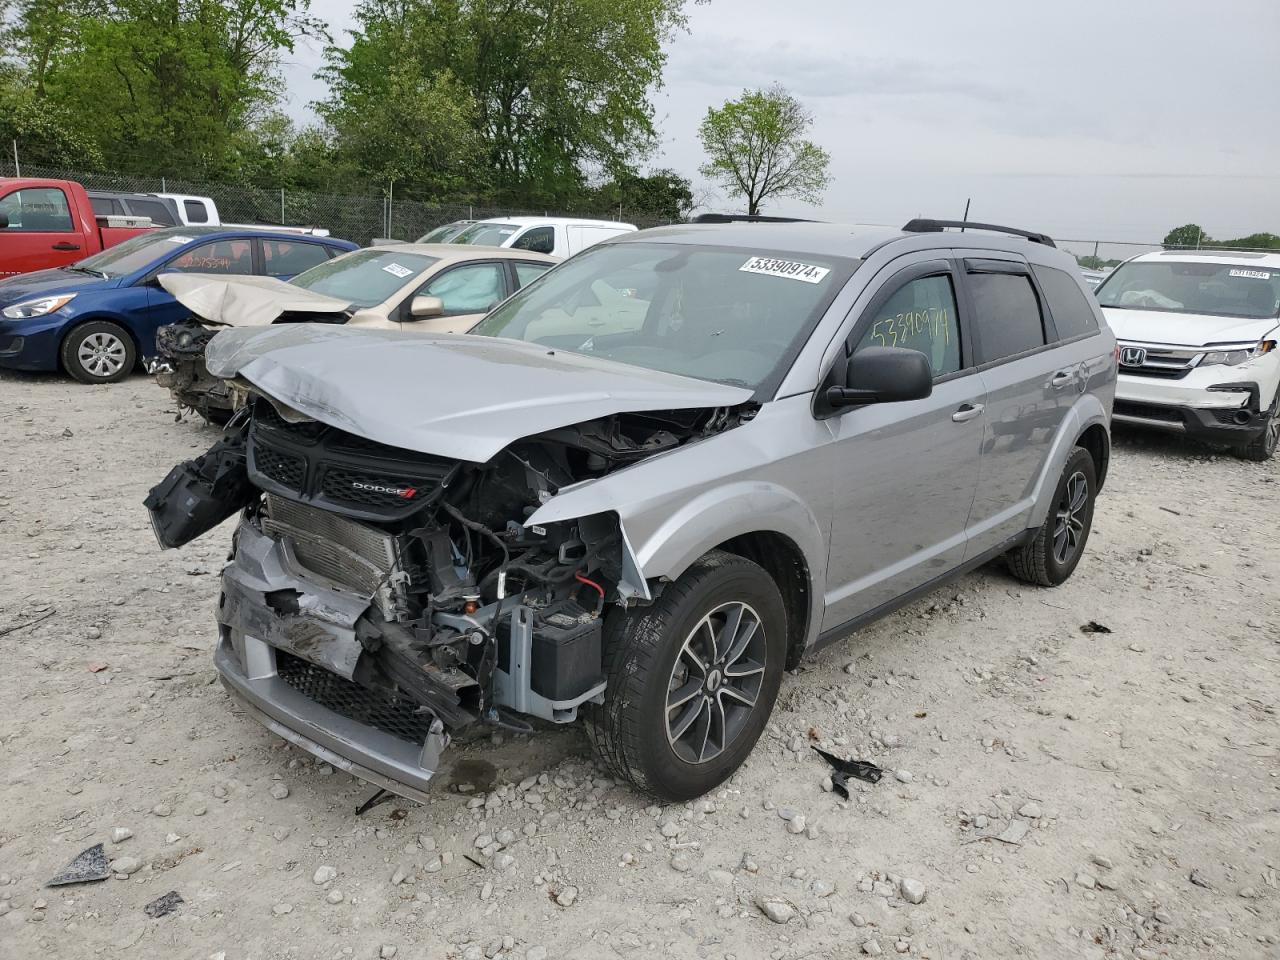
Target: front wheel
<point>1050,556</point>
<point>692,678</point>
<point>99,352</point>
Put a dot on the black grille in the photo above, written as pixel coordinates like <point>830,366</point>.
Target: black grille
<point>1227,416</point>
<point>1147,411</point>
<point>1159,373</point>
<point>283,469</point>
<point>353,487</point>
<point>315,463</point>
<point>399,718</point>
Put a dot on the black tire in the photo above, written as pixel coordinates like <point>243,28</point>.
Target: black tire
<point>1263,447</point>
<point>1043,559</point>
<point>645,658</point>
<point>98,352</point>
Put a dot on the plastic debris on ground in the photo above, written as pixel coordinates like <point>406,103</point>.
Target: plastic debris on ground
<point>90,865</point>
<point>163,906</point>
<point>842,770</point>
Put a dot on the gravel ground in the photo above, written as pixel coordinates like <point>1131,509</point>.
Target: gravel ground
<point>1054,793</point>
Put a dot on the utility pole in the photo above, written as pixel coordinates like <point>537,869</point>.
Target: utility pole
<point>282,223</point>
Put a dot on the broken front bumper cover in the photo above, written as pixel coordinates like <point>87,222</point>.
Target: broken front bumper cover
<point>292,674</point>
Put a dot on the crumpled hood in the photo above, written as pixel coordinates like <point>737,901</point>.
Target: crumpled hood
<point>44,283</point>
<point>244,301</point>
<point>1184,329</point>
<point>451,395</point>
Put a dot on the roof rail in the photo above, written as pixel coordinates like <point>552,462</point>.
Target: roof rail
<point>745,218</point>
<point>936,226</point>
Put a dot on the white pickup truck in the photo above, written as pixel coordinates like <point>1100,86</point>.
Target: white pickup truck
<point>557,236</point>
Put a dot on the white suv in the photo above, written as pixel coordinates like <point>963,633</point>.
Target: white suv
<point>1197,333</point>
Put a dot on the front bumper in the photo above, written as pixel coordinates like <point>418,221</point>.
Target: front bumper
<point>31,344</point>
<point>1219,412</point>
<point>293,672</point>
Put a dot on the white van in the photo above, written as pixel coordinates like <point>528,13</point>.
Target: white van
<point>194,210</point>
<point>557,236</point>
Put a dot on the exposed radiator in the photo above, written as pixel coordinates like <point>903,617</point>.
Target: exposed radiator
<point>345,553</point>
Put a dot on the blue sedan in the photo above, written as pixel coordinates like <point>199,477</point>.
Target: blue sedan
<point>98,317</point>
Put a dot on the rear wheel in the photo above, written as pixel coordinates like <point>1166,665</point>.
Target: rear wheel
<point>98,352</point>
<point>692,678</point>
<point>1263,447</point>
<point>1050,557</point>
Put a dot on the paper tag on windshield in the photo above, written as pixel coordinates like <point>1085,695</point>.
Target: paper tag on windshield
<point>787,269</point>
<point>1250,274</point>
<point>180,239</point>
<point>397,271</point>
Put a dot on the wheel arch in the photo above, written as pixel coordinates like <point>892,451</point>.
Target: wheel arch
<point>1085,425</point>
<point>784,561</point>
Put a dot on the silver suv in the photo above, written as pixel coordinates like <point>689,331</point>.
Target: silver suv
<point>642,487</point>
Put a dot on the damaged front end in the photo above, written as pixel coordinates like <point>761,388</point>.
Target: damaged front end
<point>379,600</point>
<point>179,367</point>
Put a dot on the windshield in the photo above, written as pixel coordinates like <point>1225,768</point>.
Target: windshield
<point>487,234</point>
<point>138,252</point>
<point>444,234</point>
<point>734,316</point>
<point>1216,289</point>
<point>364,277</point>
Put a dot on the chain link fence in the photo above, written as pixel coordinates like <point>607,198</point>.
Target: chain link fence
<point>351,217</point>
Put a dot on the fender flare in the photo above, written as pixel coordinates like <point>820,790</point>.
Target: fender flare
<point>1087,411</point>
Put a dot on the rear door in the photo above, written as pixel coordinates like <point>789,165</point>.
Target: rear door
<point>283,259</point>
<point>41,231</point>
<point>1028,392</point>
<point>905,473</point>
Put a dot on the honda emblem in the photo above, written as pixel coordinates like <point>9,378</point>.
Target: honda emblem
<point>1132,357</point>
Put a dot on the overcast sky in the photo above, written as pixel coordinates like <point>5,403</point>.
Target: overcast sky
<point>1086,119</point>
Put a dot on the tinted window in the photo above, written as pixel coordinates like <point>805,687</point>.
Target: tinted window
<point>529,272</point>
<point>106,207</point>
<point>1006,314</point>
<point>1072,314</point>
<point>537,240</point>
<point>474,288</point>
<point>154,209</point>
<point>220,256</point>
<point>920,316</point>
<point>284,258</point>
<point>37,209</point>
<point>196,212</point>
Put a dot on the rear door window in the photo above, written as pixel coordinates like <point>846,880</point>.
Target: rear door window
<point>37,210</point>
<point>1006,315</point>
<point>1072,313</point>
<point>196,211</point>
<point>921,316</point>
<point>155,209</point>
<point>526,272</point>
<point>288,258</point>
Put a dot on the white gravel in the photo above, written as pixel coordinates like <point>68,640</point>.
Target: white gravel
<point>1041,759</point>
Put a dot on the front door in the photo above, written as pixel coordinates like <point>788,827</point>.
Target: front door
<point>905,473</point>
<point>41,232</point>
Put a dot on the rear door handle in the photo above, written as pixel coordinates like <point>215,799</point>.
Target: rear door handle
<point>1062,378</point>
<point>64,245</point>
<point>967,411</point>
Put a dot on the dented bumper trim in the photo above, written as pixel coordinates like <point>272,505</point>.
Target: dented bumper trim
<point>346,744</point>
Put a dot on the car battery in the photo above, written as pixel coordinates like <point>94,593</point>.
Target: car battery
<point>565,659</point>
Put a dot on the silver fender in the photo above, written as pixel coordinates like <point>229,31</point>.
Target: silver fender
<point>1086,411</point>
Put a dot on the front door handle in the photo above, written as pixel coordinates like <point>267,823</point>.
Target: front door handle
<point>64,245</point>
<point>967,411</point>
<point>1062,379</point>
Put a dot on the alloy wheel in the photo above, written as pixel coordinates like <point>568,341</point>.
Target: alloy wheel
<point>102,354</point>
<point>1068,528</point>
<point>715,682</point>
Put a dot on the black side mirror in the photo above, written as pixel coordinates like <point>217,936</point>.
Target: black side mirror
<point>4,220</point>
<point>882,375</point>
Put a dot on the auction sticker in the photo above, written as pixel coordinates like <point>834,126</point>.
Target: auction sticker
<point>1250,274</point>
<point>787,269</point>
<point>397,271</point>
<point>180,239</point>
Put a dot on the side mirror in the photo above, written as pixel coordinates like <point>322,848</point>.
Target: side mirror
<point>4,221</point>
<point>882,375</point>
<point>423,307</point>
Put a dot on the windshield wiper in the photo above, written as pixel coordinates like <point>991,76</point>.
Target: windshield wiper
<point>90,272</point>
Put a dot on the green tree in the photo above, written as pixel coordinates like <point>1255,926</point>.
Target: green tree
<point>663,194</point>
<point>560,88</point>
<point>757,149</point>
<point>1254,241</point>
<point>1187,235</point>
<point>46,133</point>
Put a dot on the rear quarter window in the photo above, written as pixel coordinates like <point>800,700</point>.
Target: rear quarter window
<point>1072,313</point>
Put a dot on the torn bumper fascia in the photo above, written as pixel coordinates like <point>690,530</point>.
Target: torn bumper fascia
<point>322,632</point>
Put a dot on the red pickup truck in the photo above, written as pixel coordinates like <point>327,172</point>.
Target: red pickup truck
<point>46,223</point>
